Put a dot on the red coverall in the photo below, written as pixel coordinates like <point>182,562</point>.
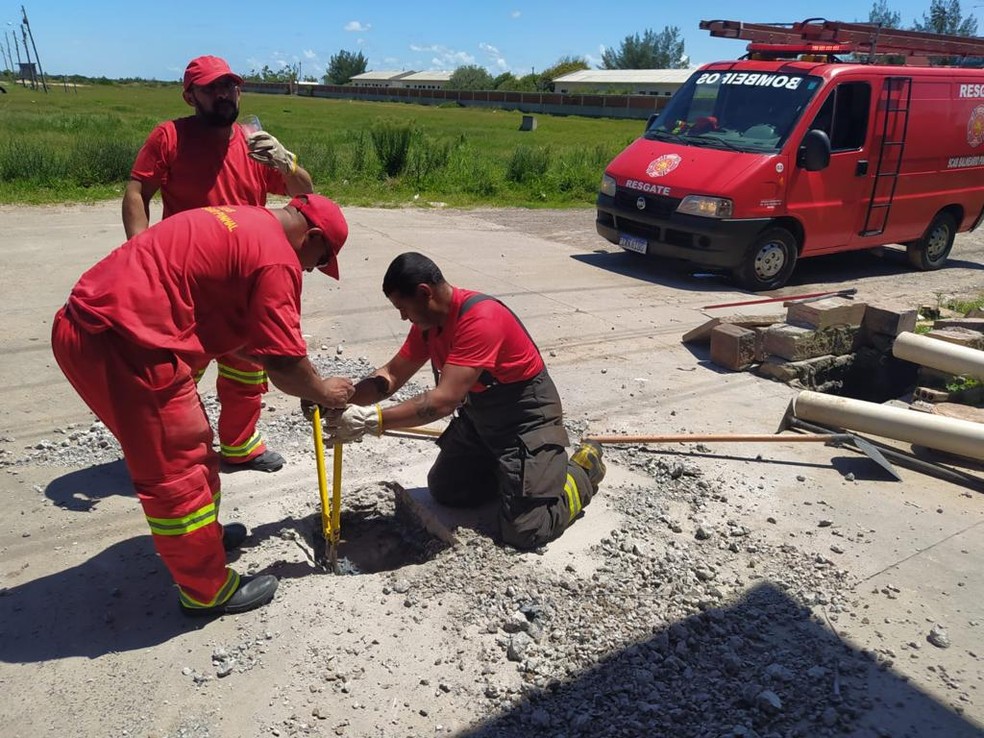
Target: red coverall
<point>136,328</point>
<point>183,161</point>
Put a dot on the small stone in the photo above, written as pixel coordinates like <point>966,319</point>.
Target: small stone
<point>837,549</point>
<point>401,586</point>
<point>849,476</point>
<point>825,523</point>
<point>768,702</point>
<point>939,637</point>
<point>829,717</point>
<point>800,478</point>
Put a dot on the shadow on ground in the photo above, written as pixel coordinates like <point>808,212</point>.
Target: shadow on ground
<point>761,668</point>
<point>82,490</point>
<point>834,270</point>
<point>123,599</point>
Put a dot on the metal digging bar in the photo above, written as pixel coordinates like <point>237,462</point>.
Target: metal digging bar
<point>946,473</point>
<point>833,438</point>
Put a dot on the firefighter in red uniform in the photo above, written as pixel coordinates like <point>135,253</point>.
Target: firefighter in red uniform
<point>208,282</point>
<point>507,439</point>
<point>205,159</point>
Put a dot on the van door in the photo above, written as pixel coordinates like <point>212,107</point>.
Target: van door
<point>831,204</point>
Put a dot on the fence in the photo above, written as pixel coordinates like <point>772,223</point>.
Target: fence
<point>545,103</point>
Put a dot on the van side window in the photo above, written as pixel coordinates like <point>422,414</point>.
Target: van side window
<point>844,116</point>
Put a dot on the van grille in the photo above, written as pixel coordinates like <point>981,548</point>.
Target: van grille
<point>657,206</point>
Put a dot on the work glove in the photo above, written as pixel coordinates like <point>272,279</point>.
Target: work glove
<point>354,422</point>
<point>267,150</point>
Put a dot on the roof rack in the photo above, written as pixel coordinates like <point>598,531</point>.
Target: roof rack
<point>818,35</point>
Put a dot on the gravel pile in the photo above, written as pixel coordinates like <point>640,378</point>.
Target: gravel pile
<point>675,632</point>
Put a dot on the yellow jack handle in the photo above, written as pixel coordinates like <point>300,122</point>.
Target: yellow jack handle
<point>319,453</point>
<point>336,506</point>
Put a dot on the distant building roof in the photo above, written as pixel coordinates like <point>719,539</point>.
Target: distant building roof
<point>627,76</point>
<point>381,76</point>
<point>427,77</point>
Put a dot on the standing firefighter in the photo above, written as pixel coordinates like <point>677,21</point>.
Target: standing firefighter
<point>137,326</point>
<point>205,159</point>
<point>507,440</point>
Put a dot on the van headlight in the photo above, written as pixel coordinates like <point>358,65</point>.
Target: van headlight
<point>708,207</point>
<point>608,185</point>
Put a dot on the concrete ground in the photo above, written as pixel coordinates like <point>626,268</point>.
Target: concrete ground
<point>609,325</point>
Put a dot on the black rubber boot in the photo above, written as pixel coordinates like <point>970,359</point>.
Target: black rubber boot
<point>233,535</point>
<point>268,461</point>
<point>253,592</point>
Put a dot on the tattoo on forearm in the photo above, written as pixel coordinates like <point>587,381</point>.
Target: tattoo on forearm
<point>425,411</point>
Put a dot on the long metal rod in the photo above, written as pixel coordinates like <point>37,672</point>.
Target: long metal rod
<point>787,298</point>
<point>336,507</point>
<point>722,438</point>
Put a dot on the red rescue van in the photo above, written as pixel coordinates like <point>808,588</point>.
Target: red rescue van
<point>789,153</point>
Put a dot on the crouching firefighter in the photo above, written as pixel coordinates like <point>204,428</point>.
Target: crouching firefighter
<point>507,440</point>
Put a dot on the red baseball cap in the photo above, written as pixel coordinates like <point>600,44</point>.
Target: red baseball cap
<point>323,213</point>
<point>204,70</point>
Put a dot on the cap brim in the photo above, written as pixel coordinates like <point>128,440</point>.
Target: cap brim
<point>331,268</point>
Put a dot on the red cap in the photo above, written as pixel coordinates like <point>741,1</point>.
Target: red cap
<point>205,70</point>
<point>323,213</point>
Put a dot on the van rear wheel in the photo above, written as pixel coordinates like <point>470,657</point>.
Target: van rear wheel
<point>932,250</point>
<point>768,262</point>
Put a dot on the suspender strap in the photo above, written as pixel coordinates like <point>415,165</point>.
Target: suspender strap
<point>485,377</point>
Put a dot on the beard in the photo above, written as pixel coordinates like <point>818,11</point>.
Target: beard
<point>222,114</point>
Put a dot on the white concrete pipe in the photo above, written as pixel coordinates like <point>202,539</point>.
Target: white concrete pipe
<point>936,354</point>
<point>953,435</point>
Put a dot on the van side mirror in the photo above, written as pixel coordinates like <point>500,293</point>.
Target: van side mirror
<point>814,153</point>
<point>652,117</point>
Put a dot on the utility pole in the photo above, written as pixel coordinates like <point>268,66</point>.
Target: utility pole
<point>27,54</point>
<point>36,57</point>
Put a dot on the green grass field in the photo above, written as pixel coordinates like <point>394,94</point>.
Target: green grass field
<point>70,146</point>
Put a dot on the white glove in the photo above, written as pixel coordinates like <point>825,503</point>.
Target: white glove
<point>267,150</point>
<point>354,422</point>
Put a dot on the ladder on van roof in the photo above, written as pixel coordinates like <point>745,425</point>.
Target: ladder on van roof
<point>824,37</point>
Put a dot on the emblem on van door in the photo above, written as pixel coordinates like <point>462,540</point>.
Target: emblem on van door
<point>975,127</point>
<point>641,203</point>
<point>663,165</point>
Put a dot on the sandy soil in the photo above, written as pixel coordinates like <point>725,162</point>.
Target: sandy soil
<point>768,589</point>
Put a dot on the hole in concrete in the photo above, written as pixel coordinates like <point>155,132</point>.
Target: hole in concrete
<point>868,375</point>
<point>371,543</point>
<point>374,537</point>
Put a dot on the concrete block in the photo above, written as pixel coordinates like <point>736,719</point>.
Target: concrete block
<point>960,336</point>
<point>826,313</point>
<point>974,324</point>
<point>528,124</point>
<point>888,321</point>
<point>732,347</point>
<point>805,372</point>
<point>927,394</point>
<point>796,343</point>
<point>702,333</point>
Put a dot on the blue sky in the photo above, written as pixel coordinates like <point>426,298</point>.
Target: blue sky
<point>113,38</point>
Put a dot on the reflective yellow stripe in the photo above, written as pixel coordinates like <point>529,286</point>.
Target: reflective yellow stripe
<point>242,450</point>
<point>224,593</point>
<point>237,375</point>
<point>205,515</point>
<point>198,375</point>
<point>573,496</point>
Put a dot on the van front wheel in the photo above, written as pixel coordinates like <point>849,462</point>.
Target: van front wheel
<point>768,262</point>
<point>932,250</point>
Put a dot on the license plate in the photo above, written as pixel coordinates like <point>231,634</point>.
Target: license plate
<point>632,243</point>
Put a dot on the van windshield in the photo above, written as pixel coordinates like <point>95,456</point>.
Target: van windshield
<point>744,111</point>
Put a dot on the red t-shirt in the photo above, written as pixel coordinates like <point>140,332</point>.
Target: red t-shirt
<point>486,336</point>
<point>192,171</point>
<point>202,283</point>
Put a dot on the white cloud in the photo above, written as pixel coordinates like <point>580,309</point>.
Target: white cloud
<point>357,26</point>
<point>308,54</point>
<point>432,47</point>
<point>515,14</point>
<point>496,59</point>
